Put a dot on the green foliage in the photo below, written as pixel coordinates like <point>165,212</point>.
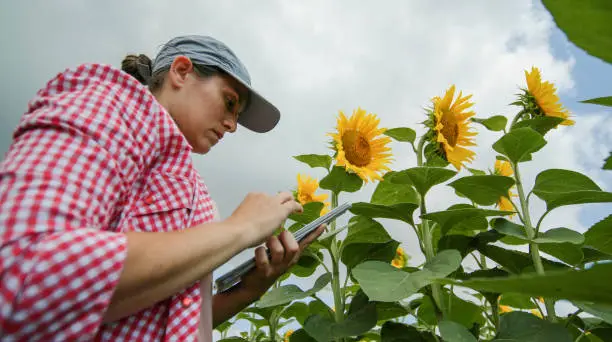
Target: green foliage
<point>519,144</point>
<point>495,123</point>
<point>455,332</point>
<point>362,286</point>
<point>423,178</point>
<point>403,134</point>
<point>483,190</point>
<point>599,236</point>
<point>383,282</point>
<point>586,24</point>
<point>564,187</point>
<point>315,160</point>
<point>602,101</point>
<point>582,285</point>
<point>338,180</point>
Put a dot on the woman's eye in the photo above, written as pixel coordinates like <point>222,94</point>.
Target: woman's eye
<point>230,103</point>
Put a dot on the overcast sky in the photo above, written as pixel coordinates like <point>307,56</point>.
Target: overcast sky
<point>317,57</point>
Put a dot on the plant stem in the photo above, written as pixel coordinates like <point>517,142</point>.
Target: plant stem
<point>534,249</point>
<point>426,235</point>
<point>335,281</point>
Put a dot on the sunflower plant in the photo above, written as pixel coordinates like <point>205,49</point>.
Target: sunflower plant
<point>492,271</point>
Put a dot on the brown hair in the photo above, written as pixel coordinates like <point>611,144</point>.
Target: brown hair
<point>134,64</point>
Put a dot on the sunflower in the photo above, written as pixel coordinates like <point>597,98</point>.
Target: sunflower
<point>307,186</point>
<point>540,98</point>
<point>503,168</point>
<point>360,146</point>
<point>400,259</point>
<point>449,128</point>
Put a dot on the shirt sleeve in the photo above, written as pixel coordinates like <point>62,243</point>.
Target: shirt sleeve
<point>63,183</point>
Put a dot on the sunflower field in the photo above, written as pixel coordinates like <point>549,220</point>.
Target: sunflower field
<point>523,268</point>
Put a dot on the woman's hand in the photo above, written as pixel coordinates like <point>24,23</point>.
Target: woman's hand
<point>284,253</point>
<point>259,215</point>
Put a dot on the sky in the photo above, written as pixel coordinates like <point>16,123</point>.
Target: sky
<point>317,58</point>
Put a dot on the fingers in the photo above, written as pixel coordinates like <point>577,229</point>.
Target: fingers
<point>291,246</point>
<point>261,259</point>
<point>313,236</point>
<point>277,252</point>
<point>284,196</point>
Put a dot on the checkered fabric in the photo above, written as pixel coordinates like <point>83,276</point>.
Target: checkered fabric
<point>94,156</point>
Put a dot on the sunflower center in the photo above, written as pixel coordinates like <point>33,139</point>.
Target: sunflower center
<point>450,129</point>
<point>306,198</point>
<point>356,148</point>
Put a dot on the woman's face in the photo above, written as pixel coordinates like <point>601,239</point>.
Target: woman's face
<point>204,108</point>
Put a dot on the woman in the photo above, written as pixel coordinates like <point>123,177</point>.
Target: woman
<point>107,230</point>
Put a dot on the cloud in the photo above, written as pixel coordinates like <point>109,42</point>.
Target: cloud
<point>313,60</point>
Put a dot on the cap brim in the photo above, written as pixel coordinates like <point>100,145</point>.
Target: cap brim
<point>260,116</point>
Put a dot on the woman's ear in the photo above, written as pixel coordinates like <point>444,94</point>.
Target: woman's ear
<point>179,71</point>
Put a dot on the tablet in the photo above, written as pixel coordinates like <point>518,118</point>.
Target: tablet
<point>233,277</point>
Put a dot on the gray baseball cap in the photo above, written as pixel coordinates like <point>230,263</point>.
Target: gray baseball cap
<point>259,114</point>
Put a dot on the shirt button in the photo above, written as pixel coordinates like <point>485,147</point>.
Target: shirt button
<point>187,301</point>
<point>150,199</point>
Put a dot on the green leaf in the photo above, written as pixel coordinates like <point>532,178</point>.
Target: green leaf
<point>312,211</point>
<point>450,218</point>
<point>525,327</point>
<point>586,24</point>
<point>599,236</point>
<point>590,285</point>
<point>388,192</point>
<point>566,252</point>
<point>592,255</point>
<point>389,310</point>
<point>307,263</point>
<point>339,180</point>
<point>297,310</point>
<point>519,144</point>
<point>600,310</point>
<point>323,329</point>
<point>423,178</point>
<point>476,172</point>
<point>234,339</point>
<point>315,160</point>
<point>608,163</point>
<point>288,293</point>
<point>301,335</point>
<point>433,157</point>
<point>455,332</point>
<point>223,326</point>
<point>462,311</point>
<point>399,211</point>
<point>398,332</point>
<point>558,187</point>
<point>541,124</point>
<point>483,190</point>
<point>365,230</point>
<point>495,123</point>
<point>560,235</point>
<point>514,261</point>
<point>382,282</point>
<point>517,301</point>
<point>359,252</point>
<point>509,228</point>
<point>602,101</point>
<point>403,134</point>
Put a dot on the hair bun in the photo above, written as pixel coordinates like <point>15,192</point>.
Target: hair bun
<point>138,66</point>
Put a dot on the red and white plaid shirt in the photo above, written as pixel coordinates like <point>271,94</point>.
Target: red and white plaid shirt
<point>95,156</point>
